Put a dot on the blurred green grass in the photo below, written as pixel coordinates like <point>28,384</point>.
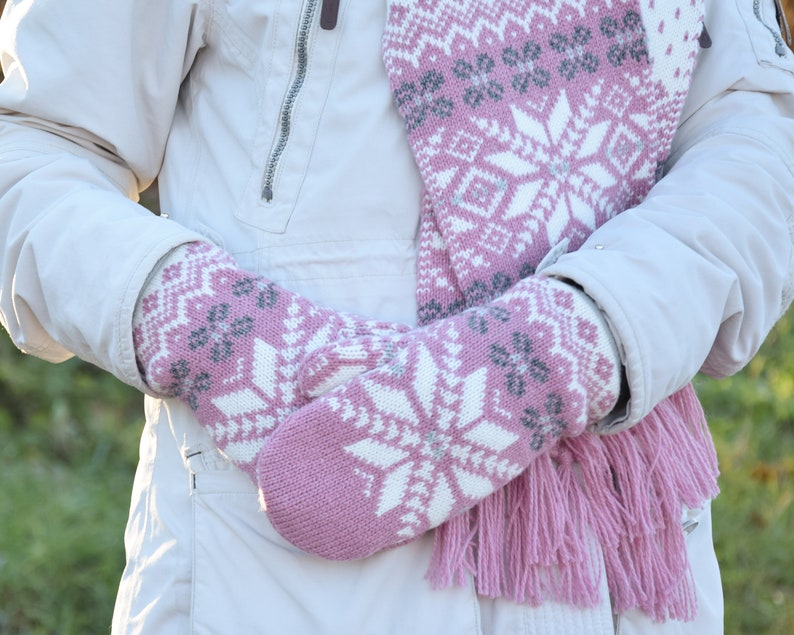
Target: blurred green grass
<point>68,449</point>
<point>751,417</point>
<point>69,445</point>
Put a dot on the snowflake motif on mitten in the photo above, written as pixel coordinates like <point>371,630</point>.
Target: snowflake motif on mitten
<point>448,414</point>
<point>229,345</point>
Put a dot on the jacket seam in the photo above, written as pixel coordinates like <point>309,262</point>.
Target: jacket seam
<point>237,42</point>
<point>63,146</point>
<point>715,130</point>
<point>209,9</point>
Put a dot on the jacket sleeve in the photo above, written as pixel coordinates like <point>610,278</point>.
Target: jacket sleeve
<point>89,94</point>
<point>694,278</point>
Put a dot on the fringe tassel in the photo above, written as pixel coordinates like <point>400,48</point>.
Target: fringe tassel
<point>544,550</point>
<point>453,559</point>
<point>533,540</point>
<point>490,550</point>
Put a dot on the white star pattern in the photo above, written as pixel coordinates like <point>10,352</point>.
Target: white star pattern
<point>425,485</point>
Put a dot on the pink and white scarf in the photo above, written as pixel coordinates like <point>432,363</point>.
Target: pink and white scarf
<point>533,122</point>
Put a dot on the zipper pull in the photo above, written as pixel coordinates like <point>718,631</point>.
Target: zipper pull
<point>705,39</point>
<point>328,14</point>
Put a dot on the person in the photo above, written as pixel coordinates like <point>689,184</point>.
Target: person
<point>305,183</point>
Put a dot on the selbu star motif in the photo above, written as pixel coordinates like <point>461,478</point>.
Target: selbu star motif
<point>428,487</point>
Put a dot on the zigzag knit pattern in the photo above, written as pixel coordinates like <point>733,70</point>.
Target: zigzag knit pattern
<point>229,344</point>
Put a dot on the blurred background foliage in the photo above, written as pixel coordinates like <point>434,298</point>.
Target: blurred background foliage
<point>68,450</point>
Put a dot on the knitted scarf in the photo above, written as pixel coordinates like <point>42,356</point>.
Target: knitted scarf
<point>533,122</point>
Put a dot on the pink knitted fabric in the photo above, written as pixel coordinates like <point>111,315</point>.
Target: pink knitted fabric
<point>229,344</point>
<point>533,122</point>
<point>456,410</point>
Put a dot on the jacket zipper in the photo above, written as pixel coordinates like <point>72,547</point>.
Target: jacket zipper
<point>329,14</point>
<point>780,45</point>
<point>287,106</point>
<point>782,21</point>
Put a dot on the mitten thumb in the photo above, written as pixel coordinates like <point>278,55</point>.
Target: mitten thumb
<point>333,365</point>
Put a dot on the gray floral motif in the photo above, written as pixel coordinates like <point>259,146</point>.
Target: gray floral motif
<point>417,103</point>
<point>267,295</point>
<point>549,425</point>
<point>479,318</point>
<point>525,63</point>
<point>183,385</point>
<point>526,270</point>
<point>433,310</point>
<point>430,312</point>
<point>500,282</point>
<point>220,331</point>
<point>478,293</point>
<point>519,363</point>
<point>629,38</point>
<point>481,85</point>
<point>482,291</point>
<point>577,59</point>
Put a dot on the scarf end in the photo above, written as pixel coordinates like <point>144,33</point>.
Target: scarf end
<point>609,503</point>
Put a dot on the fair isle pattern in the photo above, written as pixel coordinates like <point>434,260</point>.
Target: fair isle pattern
<point>529,135</point>
<point>534,123</point>
<point>454,412</point>
<point>229,344</point>
<point>434,276</point>
<point>414,26</point>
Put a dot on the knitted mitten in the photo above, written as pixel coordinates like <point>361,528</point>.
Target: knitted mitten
<point>456,410</point>
<point>229,344</point>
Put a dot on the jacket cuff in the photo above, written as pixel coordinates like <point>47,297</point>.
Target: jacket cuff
<point>172,237</point>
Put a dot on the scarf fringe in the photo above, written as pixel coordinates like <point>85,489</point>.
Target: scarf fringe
<point>614,499</point>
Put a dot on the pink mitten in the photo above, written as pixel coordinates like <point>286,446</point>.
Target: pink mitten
<point>455,411</point>
<point>229,344</point>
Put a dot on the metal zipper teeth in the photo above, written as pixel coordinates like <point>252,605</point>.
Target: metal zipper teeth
<point>780,45</point>
<point>285,121</point>
<point>783,21</point>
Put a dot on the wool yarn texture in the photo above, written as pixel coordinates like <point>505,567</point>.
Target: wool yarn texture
<point>533,123</point>
<point>459,409</point>
<point>229,344</point>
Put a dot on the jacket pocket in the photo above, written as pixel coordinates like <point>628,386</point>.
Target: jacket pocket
<point>236,561</point>
<point>247,579</point>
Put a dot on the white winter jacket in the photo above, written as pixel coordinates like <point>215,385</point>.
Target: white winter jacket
<point>102,97</point>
